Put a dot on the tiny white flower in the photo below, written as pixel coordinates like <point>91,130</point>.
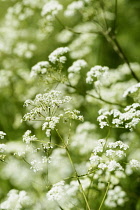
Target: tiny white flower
<point>58,55</point>
<point>2,134</point>
<point>102,166</point>
<point>95,159</point>
<point>2,148</point>
<point>134,163</point>
<point>57,192</point>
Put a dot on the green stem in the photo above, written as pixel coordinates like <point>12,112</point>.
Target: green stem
<point>115,13</point>
<point>105,101</point>
<point>117,48</point>
<point>98,98</point>
<point>104,196</point>
<point>82,175</point>
<point>77,176</point>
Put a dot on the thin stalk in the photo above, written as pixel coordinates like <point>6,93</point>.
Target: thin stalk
<point>88,193</point>
<point>48,151</point>
<point>98,98</point>
<point>108,134</point>
<point>115,13</point>
<point>47,172</point>
<point>82,175</point>
<point>104,196</point>
<point>73,31</point>
<point>103,12</point>
<point>103,100</point>
<point>77,177</point>
<point>117,48</point>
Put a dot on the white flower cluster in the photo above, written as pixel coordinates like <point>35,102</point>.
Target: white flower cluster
<point>60,190</point>
<point>47,70</point>
<point>72,188</point>
<point>5,78</point>
<point>2,148</point>
<point>85,130</point>
<point>24,49</point>
<point>95,73</point>
<point>102,177</point>
<point>51,9</point>
<point>48,104</point>
<point>115,197</point>
<point>73,7</point>
<point>38,164</point>
<point>134,164</point>
<point>17,13</point>
<point>64,36</point>
<point>57,192</point>
<point>129,119</point>
<point>50,124</point>
<point>16,200</point>
<point>47,101</point>
<point>33,4</point>
<point>16,148</point>
<point>74,71</point>
<point>74,114</point>
<point>77,66</point>
<point>117,144</point>
<point>131,90</point>
<point>27,138</point>
<point>22,10</point>
<point>58,55</point>
<point>78,48</point>
<point>2,134</point>
<point>40,68</point>
<point>104,155</point>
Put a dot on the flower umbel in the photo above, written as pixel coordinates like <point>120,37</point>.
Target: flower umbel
<point>49,109</point>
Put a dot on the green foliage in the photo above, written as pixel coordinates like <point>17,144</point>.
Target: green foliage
<point>62,62</point>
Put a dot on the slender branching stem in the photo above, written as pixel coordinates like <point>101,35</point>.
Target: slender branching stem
<point>74,169</point>
<point>115,13</point>
<point>104,196</point>
<point>117,48</point>
<point>99,98</point>
<point>105,101</point>
<point>73,31</point>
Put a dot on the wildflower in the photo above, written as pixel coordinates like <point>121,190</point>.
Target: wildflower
<point>58,55</point>
<point>57,192</point>
<point>16,200</point>
<point>40,68</point>
<point>24,49</point>
<point>2,148</point>
<point>95,73</point>
<point>113,165</point>
<point>77,66</point>
<point>47,107</point>
<point>115,197</point>
<point>102,166</point>
<point>134,164</point>
<point>119,144</point>
<point>132,89</point>
<point>2,134</point>
<point>51,9</point>
<point>129,119</point>
<point>73,7</point>
<point>95,159</point>
<point>74,71</point>
<point>27,138</point>
<point>5,77</point>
